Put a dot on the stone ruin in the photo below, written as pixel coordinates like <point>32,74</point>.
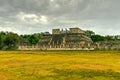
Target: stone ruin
<point>107,45</point>
<point>72,39</point>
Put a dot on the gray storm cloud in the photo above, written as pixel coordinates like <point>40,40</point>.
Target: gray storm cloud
<point>30,16</point>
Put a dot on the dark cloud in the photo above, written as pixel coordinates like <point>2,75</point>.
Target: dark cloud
<point>29,16</point>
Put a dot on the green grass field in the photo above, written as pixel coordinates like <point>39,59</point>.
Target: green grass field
<point>59,65</point>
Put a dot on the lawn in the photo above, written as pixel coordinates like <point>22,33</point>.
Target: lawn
<point>59,65</point>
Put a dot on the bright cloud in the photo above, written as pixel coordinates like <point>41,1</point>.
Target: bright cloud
<point>32,18</point>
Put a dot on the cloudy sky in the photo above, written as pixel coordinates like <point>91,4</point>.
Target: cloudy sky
<point>33,16</point>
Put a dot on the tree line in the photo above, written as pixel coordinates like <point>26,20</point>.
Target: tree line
<point>97,37</point>
<point>10,40</point>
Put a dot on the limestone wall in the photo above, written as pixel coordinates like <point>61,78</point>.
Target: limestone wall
<point>38,48</point>
<point>107,45</point>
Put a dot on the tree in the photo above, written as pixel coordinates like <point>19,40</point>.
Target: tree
<point>11,40</point>
<point>33,39</point>
<point>89,33</point>
<point>96,38</point>
<point>2,38</point>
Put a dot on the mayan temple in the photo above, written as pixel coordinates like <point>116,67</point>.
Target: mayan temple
<point>72,39</point>
<point>68,39</point>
